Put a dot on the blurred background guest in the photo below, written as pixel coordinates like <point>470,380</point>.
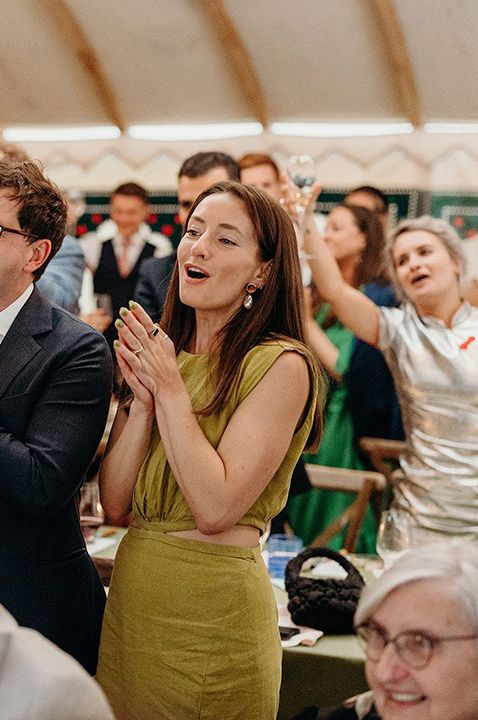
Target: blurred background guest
<point>63,278</point>
<point>354,236</point>
<point>373,199</point>
<point>261,171</point>
<point>373,401</point>
<point>115,251</point>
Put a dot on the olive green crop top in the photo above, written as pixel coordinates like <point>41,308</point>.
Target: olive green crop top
<point>157,497</point>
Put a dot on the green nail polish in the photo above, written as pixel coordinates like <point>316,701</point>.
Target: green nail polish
<point>116,343</point>
<point>133,305</point>
<point>119,323</point>
<point>124,311</point>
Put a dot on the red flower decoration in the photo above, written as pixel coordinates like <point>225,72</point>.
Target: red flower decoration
<point>458,221</point>
<point>81,230</point>
<point>471,233</point>
<point>167,230</point>
<point>176,219</point>
<point>152,219</point>
<point>96,218</point>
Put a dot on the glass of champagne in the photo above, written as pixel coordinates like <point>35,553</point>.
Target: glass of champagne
<point>91,512</point>
<point>394,535</point>
<point>302,174</point>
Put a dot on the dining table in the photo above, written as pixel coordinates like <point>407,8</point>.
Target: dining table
<point>323,675</point>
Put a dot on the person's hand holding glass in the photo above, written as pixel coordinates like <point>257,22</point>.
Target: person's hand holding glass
<point>300,195</point>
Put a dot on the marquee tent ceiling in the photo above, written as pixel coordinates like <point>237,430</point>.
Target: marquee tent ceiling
<point>124,62</point>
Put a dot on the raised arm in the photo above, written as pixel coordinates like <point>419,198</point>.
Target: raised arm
<point>325,350</point>
<point>219,484</point>
<point>352,307</point>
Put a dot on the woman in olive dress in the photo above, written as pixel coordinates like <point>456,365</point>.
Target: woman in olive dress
<point>224,397</point>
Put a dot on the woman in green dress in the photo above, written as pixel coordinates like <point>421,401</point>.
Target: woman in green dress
<point>224,397</point>
<point>355,236</point>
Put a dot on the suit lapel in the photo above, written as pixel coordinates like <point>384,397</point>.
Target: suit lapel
<point>19,344</point>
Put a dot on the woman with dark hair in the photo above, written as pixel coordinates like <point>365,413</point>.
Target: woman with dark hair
<point>224,397</point>
<point>355,238</point>
<point>372,198</point>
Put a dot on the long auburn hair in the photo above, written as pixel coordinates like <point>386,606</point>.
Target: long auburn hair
<point>277,313</point>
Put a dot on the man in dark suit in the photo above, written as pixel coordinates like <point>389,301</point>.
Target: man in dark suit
<point>196,174</point>
<point>55,386</point>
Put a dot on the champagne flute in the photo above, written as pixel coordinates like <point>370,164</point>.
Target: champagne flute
<point>394,535</point>
<point>302,174</point>
<point>91,511</point>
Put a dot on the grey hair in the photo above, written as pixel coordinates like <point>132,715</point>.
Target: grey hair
<point>443,231</point>
<point>455,561</point>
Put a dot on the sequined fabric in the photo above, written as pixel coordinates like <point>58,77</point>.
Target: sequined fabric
<point>435,370</point>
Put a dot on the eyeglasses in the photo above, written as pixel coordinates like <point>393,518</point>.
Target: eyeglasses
<point>4,229</point>
<point>414,648</point>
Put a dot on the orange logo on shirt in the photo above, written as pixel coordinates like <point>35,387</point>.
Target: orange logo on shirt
<point>464,345</point>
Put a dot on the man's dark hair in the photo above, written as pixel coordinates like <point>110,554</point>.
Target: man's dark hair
<point>203,162</point>
<point>132,190</point>
<point>41,208</point>
<point>381,200</point>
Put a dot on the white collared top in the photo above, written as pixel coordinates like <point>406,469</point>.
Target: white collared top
<point>8,315</point>
<point>91,243</point>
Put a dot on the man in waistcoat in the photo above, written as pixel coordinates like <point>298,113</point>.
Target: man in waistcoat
<point>116,250</point>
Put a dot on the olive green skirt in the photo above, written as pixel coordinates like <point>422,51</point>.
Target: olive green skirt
<point>190,631</point>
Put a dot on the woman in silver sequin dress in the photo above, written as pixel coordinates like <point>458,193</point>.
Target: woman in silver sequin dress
<point>431,346</point>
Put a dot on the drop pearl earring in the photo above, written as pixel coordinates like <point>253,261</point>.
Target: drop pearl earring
<point>248,300</point>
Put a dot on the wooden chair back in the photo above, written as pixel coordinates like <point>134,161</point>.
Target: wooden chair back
<point>364,484</point>
<point>383,454</point>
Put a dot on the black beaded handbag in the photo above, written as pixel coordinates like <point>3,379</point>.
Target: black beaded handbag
<point>326,604</point>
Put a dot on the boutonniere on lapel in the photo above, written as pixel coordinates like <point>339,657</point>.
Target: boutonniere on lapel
<point>464,345</point>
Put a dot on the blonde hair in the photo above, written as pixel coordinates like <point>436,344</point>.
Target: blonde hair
<point>440,228</point>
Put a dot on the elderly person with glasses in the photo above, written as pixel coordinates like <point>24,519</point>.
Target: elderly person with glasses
<point>419,626</point>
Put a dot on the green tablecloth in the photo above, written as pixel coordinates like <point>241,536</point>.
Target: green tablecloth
<point>323,675</point>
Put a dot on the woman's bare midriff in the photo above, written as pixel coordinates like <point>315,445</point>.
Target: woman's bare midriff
<point>240,535</point>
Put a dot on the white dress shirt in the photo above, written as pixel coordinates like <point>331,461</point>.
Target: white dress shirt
<point>91,243</point>
<point>8,315</point>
